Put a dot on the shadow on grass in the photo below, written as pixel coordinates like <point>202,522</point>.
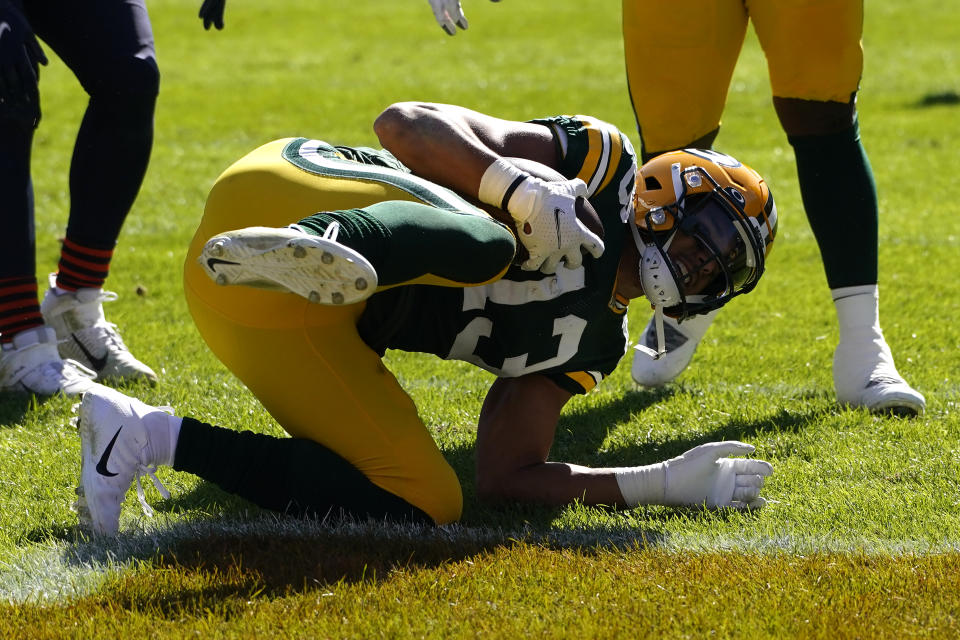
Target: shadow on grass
<point>14,406</point>
<point>936,99</point>
<point>190,566</point>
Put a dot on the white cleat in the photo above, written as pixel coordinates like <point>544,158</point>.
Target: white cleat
<point>864,375</point>
<point>32,364</point>
<point>317,268</point>
<point>86,336</point>
<point>681,341</point>
<point>116,448</point>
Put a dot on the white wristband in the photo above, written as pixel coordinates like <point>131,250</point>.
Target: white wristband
<point>499,182</point>
<point>642,485</point>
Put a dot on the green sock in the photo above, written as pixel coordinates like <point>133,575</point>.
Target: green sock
<point>840,198</point>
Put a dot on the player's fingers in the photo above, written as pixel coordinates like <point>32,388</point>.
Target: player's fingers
<point>729,448</point>
<point>550,264</point>
<point>749,481</point>
<point>573,259</point>
<point>532,263</point>
<point>579,187</point>
<point>455,11</point>
<point>443,17</point>
<point>595,247</point>
<point>749,466</point>
<point>36,53</point>
<point>746,494</point>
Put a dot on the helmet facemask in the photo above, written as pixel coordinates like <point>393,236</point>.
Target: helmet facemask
<point>699,252</point>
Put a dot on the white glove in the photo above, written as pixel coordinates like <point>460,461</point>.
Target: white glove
<point>545,213</point>
<point>703,476</point>
<point>449,15</point>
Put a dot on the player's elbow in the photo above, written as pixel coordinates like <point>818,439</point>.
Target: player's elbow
<point>498,487</point>
<point>396,125</point>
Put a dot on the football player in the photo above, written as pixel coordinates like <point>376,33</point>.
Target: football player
<point>815,60</point>
<point>61,344</point>
<point>312,259</point>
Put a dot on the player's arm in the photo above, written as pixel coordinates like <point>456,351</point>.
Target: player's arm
<point>469,152</point>
<point>453,145</point>
<point>517,424</point>
<point>514,435</point>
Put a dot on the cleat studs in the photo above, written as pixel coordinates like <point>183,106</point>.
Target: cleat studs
<point>337,297</point>
<point>299,252</point>
<point>221,280</point>
<point>326,257</point>
<point>360,284</point>
<point>314,297</point>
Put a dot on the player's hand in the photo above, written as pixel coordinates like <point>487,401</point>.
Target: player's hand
<point>20,60</point>
<point>211,12</point>
<point>705,476</point>
<point>449,15</point>
<point>548,227</point>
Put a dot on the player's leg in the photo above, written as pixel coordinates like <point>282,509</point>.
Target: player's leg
<point>109,47</point>
<point>122,439</point>
<point>29,359</point>
<point>338,255</point>
<point>414,243</point>
<point>678,69</point>
<point>815,60</point>
<point>304,362</point>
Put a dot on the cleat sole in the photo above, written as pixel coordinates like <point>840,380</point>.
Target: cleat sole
<point>315,268</point>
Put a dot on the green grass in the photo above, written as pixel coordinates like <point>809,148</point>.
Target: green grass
<point>862,539</point>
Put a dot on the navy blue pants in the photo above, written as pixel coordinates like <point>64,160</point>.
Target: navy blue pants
<point>108,44</point>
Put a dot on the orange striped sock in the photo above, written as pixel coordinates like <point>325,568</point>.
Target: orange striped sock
<point>82,266</point>
<point>19,306</point>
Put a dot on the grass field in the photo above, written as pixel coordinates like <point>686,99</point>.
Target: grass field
<point>861,539</point>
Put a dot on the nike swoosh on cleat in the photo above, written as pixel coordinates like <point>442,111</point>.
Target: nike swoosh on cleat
<point>211,262</point>
<point>556,215</point>
<point>102,463</point>
<point>97,363</point>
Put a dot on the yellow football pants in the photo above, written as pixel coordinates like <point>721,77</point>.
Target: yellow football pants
<point>680,58</point>
<point>306,363</point>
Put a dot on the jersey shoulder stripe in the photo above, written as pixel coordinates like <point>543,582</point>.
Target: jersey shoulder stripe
<point>595,151</point>
<point>605,149</point>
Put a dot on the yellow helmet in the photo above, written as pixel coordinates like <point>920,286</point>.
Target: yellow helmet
<point>718,216</point>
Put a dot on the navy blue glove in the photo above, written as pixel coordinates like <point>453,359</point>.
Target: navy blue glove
<point>212,13</point>
<point>20,60</point>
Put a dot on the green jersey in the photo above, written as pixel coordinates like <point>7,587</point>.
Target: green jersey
<point>570,326</point>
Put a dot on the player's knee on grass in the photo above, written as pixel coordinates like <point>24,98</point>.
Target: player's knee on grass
<point>411,242</point>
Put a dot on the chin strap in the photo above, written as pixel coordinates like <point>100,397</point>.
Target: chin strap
<point>661,346</point>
